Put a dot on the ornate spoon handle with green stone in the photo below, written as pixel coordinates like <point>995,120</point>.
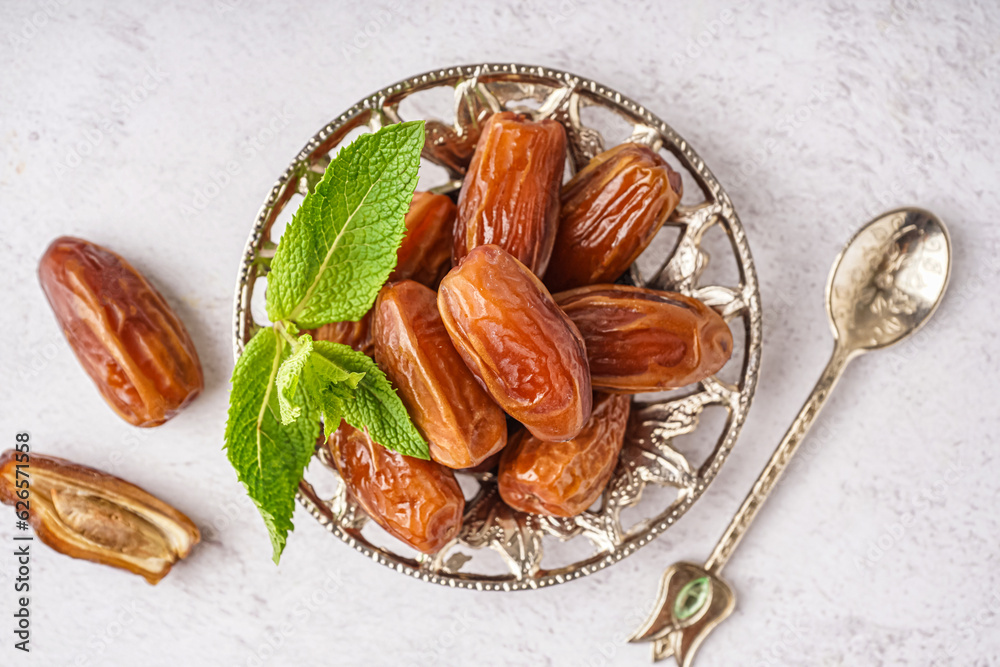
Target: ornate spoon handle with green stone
<point>692,599</point>
<point>884,285</point>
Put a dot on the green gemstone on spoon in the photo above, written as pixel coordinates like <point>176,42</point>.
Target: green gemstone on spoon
<point>692,598</point>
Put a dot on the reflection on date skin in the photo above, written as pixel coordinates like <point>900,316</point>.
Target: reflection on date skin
<point>610,212</point>
<point>462,424</point>
<point>128,340</point>
<point>510,196</point>
<point>642,340</point>
<point>526,352</point>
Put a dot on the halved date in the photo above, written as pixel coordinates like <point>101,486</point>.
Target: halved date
<point>425,254</point>
<point>644,340</point>
<point>89,514</point>
<point>610,212</point>
<point>460,421</point>
<point>524,350</point>
<point>128,340</point>
<point>417,501</point>
<point>565,478</point>
<point>510,195</point>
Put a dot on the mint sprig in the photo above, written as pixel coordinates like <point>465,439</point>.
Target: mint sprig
<point>269,458</point>
<point>374,404</point>
<point>341,245</point>
<point>330,263</point>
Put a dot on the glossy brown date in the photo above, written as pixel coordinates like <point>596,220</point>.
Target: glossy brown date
<point>523,349</point>
<point>565,478</point>
<point>425,254</point>
<point>89,514</point>
<point>459,420</point>
<point>417,501</point>
<point>610,212</point>
<point>126,337</point>
<point>357,335</point>
<point>643,340</point>
<point>510,196</point>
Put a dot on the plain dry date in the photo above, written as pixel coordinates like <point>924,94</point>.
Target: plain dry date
<point>425,254</point>
<point>128,340</point>
<point>565,478</point>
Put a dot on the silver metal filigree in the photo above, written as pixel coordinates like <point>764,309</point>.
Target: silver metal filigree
<point>650,455</point>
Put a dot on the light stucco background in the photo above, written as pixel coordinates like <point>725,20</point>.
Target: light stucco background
<point>880,547</point>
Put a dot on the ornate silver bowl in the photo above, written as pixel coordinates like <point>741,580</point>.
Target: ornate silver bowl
<point>673,448</point>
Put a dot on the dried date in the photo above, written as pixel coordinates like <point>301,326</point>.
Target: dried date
<point>523,349</point>
<point>610,211</point>
<point>425,254</point>
<point>126,337</point>
<point>89,514</point>
<point>644,340</point>
<point>417,501</point>
<point>510,196</point>
<point>565,478</point>
<point>460,421</point>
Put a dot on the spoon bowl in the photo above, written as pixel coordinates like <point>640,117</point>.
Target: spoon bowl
<point>889,279</point>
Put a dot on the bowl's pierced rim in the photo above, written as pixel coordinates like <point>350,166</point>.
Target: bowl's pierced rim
<point>647,456</point>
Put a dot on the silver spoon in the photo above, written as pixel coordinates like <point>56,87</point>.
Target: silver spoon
<point>884,285</point>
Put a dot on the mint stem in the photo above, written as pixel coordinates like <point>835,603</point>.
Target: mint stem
<point>281,327</point>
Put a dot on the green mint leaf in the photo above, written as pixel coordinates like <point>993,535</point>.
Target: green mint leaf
<point>269,458</point>
<point>330,386</point>
<point>328,370</point>
<point>374,405</point>
<point>287,379</point>
<point>341,244</point>
<point>329,396</point>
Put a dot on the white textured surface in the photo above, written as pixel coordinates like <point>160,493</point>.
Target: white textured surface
<point>870,553</point>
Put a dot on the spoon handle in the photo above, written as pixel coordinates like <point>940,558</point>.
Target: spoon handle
<point>779,460</point>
